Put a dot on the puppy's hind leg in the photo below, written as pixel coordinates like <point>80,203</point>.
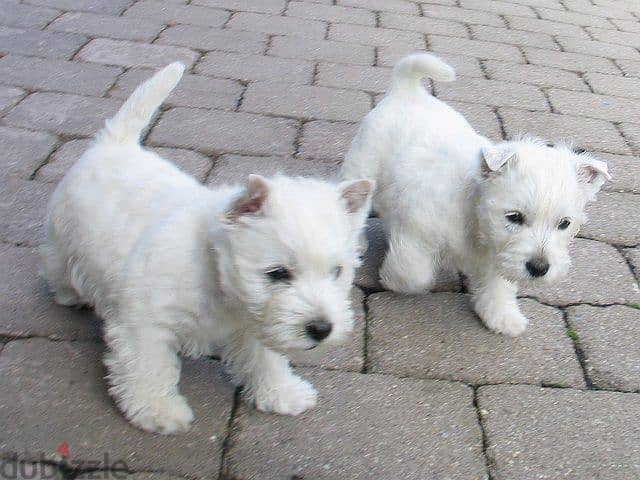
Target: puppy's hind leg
<point>56,271</point>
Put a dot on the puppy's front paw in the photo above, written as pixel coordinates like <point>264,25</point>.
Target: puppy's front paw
<point>291,398</point>
<point>501,319</point>
<point>166,415</point>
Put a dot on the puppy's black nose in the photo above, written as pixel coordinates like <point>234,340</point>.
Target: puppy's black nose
<point>537,267</point>
<point>318,329</point>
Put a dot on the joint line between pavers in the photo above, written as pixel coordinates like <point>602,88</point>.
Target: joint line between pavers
<point>488,462</point>
<point>582,359</point>
<point>226,443</point>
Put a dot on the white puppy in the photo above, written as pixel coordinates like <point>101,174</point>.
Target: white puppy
<point>174,267</point>
<point>501,213</point>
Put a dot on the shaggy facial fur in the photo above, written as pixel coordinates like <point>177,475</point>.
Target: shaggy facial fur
<point>174,267</point>
<point>502,213</point>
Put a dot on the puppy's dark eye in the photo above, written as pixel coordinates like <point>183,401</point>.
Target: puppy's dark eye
<point>337,271</point>
<point>564,224</point>
<point>279,274</point>
<point>515,217</point>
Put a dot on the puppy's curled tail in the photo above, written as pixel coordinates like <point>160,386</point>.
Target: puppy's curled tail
<point>409,71</point>
<point>132,118</point>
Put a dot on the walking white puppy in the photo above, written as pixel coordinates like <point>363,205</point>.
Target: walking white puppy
<point>174,267</point>
<point>501,213</point>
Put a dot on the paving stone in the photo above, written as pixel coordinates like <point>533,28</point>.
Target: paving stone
<point>462,15</point>
<point>304,101</point>
<point>614,85</point>
<point>23,151</point>
<point>610,11</point>
<point>422,24</point>
<point>513,37</point>
<point>192,91</point>
<point>9,96</point>
<point>399,6</point>
<point>26,16</point>
<point>62,160</point>
<point>274,25</point>
<point>631,132</point>
<point>602,49</point>
<point>501,8</point>
<point>608,336</point>
<point>95,25</point>
<point>630,39</point>
<point>477,48</point>
<point>63,113</point>
<point>535,75</point>
<point>88,418</point>
<point>377,37</point>
<point>545,26</point>
<point>464,66</point>
<point>570,61</point>
<point>113,7</point>
<point>438,336</point>
<point>585,104</point>
<point>217,131</point>
<point>172,13</point>
<point>57,75</point>
<point>587,133</point>
<point>481,117</point>
<point>260,6</point>
<point>255,67</point>
<point>427,428</point>
<point>539,3</point>
<point>12,470</point>
<point>331,13</point>
<point>22,208</point>
<point>348,356</point>
<point>525,425</point>
<point>234,169</point>
<point>328,140</point>
<point>598,275</point>
<point>130,54</point>
<point>614,218</point>
<point>28,308</point>
<point>40,44</point>
<point>326,50</point>
<point>193,163</point>
<point>626,25</point>
<point>370,79</point>
<point>204,38</point>
<point>624,170</point>
<point>633,257</point>
<point>573,18</point>
<point>492,92</point>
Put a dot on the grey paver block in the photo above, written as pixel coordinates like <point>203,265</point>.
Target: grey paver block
<point>236,168</point>
<point>62,160</point>
<point>438,336</point>
<point>602,49</point>
<point>545,26</point>
<point>331,13</point>
<point>535,75</point>
<point>40,44</point>
<point>275,25</point>
<point>570,61</point>
<point>608,337</point>
<point>525,425</point>
<point>501,8</point>
<point>22,208</point>
<point>493,92</point>
<point>255,67</point>
<point>513,37</point>
<point>606,107</point>
<point>477,48</point>
<point>614,85</point>
<point>85,415</point>
<point>26,16</point>
<point>260,6</point>
<point>626,25</point>
<point>631,132</point>
<point>399,6</point>
<point>204,38</point>
<point>587,133</point>
<point>192,91</point>
<point>614,218</point>
<point>481,117</point>
<point>326,50</point>
<point>131,54</point>
<point>57,75</point>
<point>598,275</point>
<point>377,37</point>
<point>574,18</point>
<point>218,131</point>
<point>630,39</point>
<point>114,7</point>
<point>428,428</point>
<point>422,24</point>
<point>188,161</point>
<point>304,101</point>
<point>633,257</point>
<point>371,79</point>
<point>625,172</point>
<point>172,13</point>
<point>322,139</point>
<point>611,10</point>
<point>96,25</point>
<point>28,308</point>
<point>462,15</point>
<point>23,151</point>
<point>9,96</point>
<point>63,113</point>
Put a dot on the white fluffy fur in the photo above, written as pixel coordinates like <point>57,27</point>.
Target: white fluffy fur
<point>443,192</point>
<point>174,267</point>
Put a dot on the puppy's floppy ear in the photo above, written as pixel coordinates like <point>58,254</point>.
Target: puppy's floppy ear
<point>251,201</point>
<point>592,173</point>
<point>494,158</point>
<point>357,194</point>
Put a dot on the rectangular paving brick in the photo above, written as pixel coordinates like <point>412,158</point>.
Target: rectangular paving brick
<point>194,163</point>
<point>610,11</point>
<point>260,6</point>
<point>437,335</point>
<point>371,79</point>
<point>633,257</point>
<point>499,7</point>
<point>322,139</point>
<point>255,67</point>
<point>608,336</point>
<point>534,75</point>
<point>513,37</point>
<point>40,44</point>
<point>203,38</point>
<point>303,101</point>
<point>602,49</point>
<point>614,218</point>
<point>625,172</point>
<point>26,16</point>
<point>524,426</point>
<point>113,7</point>
<point>22,207</point>
<point>573,18</point>
<point>95,25</point>
<point>631,132</point>
<point>570,61</point>
<point>615,109</point>
<point>274,25</point>
<point>462,15</point>
<point>614,85</point>
<point>218,131</point>
<point>493,92</point>
<point>626,25</point>
<point>62,160</point>
<point>546,26</point>
<point>23,151</point>
<point>326,50</point>
<point>423,24</point>
<point>172,13</point>
<point>630,39</point>
<point>428,428</point>
<point>481,117</point>
<point>476,48</point>
<point>9,96</point>
<point>57,75</point>
<point>331,13</point>
<point>399,6</point>
<point>132,54</point>
<point>377,37</point>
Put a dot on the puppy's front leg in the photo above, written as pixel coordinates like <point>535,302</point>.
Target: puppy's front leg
<point>496,304</point>
<point>269,382</point>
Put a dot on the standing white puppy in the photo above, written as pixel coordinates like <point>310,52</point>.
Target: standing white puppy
<point>174,267</point>
<point>500,213</point>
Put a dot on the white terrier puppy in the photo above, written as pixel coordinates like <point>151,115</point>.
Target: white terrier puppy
<point>501,213</point>
<point>174,267</point>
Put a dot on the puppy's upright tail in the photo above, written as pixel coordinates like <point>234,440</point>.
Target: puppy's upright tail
<point>408,72</point>
<point>132,118</point>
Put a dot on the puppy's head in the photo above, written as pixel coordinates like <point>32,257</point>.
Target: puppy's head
<point>531,204</point>
<point>291,249</point>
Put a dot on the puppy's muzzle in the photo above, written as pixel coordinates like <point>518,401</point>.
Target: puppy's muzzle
<point>318,330</point>
<point>537,267</point>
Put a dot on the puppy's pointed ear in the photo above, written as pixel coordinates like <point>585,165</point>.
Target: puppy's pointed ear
<point>357,194</point>
<point>592,174</point>
<point>251,201</point>
<point>494,158</point>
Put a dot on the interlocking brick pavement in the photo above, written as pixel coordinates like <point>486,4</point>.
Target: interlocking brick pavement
<point>422,389</point>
